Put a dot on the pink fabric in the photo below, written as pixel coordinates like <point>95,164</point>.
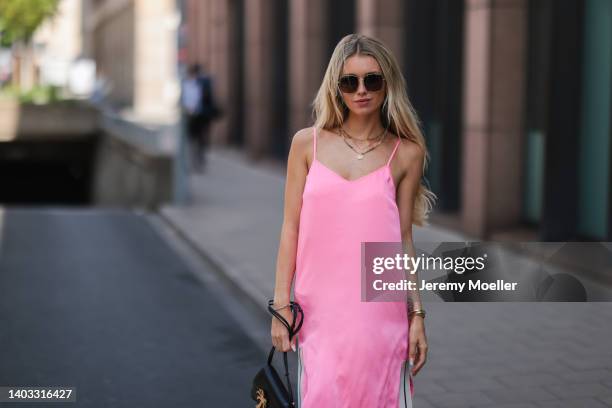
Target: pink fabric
<point>352,351</point>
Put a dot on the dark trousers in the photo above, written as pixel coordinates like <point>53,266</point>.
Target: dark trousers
<point>198,135</point>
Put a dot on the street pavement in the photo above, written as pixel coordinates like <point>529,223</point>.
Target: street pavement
<point>509,354</point>
<point>99,300</point>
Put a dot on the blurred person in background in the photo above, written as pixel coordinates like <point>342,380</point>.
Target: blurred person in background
<point>199,111</point>
<point>101,89</point>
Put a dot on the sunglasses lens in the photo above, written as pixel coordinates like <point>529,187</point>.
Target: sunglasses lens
<point>349,83</point>
<point>373,82</point>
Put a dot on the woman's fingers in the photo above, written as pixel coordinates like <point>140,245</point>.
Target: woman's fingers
<point>280,335</point>
<point>279,343</point>
<point>421,356</point>
<point>412,350</point>
<point>280,339</point>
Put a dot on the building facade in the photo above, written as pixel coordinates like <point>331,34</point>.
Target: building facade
<point>134,45</point>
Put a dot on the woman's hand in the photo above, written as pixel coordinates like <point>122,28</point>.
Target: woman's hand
<point>417,349</point>
<point>280,334</point>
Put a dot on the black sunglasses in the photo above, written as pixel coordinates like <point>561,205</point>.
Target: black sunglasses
<point>350,83</point>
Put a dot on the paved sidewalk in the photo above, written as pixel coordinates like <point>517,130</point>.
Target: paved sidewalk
<point>481,354</point>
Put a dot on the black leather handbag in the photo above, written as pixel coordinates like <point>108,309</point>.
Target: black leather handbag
<point>268,389</point>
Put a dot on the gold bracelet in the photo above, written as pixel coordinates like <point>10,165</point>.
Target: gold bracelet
<point>282,307</point>
<point>418,312</point>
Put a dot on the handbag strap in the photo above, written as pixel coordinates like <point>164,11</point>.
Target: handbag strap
<point>293,329</point>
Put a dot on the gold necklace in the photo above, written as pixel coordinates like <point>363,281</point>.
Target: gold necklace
<point>367,138</point>
<point>360,155</point>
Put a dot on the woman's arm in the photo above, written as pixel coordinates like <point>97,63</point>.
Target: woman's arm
<point>297,168</point>
<point>412,158</point>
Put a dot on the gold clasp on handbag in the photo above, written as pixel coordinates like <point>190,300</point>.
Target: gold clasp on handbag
<point>261,399</point>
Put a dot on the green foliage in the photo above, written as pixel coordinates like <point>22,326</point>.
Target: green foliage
<point>39,94</point>
<point>19,19</point>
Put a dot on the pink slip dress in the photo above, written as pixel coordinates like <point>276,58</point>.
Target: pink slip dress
<point>351,353</point>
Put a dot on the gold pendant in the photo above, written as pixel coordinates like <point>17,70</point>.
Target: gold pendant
<point>360,156</point>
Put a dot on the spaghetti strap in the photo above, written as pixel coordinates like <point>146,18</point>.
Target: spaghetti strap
<point>399,139</point>
<point>314,143</point>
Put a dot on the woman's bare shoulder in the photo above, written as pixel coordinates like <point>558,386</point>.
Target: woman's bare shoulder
<point>302,140</point>
<point>409,149</point>
<point>304,135</point>
<point>410,155</point>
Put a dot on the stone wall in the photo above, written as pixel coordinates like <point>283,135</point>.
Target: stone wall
<point>127,164</point>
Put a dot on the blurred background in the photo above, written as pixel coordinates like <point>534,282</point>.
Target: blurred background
<point>109,230</point>
<point>514,96</point>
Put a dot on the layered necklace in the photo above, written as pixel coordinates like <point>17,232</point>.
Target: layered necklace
<point>360,155</point>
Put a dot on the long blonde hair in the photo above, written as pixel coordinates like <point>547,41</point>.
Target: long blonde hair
<point>397,113</point>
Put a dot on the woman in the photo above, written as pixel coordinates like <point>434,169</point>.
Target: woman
<point>343,188</point>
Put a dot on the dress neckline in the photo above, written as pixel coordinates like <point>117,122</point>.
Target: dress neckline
<point>386,166</point>
<point>383,167</point>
